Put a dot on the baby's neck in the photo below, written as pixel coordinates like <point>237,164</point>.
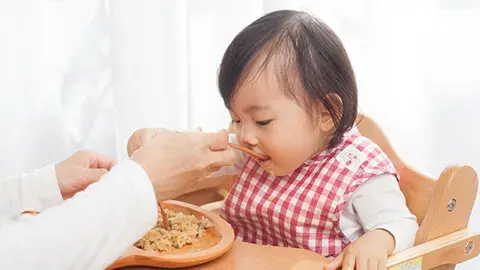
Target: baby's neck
<point>322,146</point>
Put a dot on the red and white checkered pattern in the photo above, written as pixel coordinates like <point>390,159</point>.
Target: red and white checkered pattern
<point>302,209</point>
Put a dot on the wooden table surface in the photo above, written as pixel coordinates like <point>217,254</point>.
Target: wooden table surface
<point>255,257</point>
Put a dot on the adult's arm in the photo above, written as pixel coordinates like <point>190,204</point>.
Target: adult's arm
<point>88,231</point>
<point>35,191</point>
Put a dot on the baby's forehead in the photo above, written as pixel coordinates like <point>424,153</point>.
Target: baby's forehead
<point>259,98</point>
<point>259,91</point>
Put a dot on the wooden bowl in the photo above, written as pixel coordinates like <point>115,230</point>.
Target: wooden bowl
<point>217,240</point>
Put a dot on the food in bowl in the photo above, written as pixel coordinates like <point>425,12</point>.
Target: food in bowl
<point>182,230</point>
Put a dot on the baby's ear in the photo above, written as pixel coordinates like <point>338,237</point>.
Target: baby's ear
<point>330,108</point>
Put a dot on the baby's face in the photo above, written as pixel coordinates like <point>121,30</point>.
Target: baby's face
<point>269,122</point>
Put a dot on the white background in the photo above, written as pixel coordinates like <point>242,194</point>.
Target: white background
<point>85,74</point>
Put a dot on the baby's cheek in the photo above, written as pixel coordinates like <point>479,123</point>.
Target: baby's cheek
<point>287,154</point>
<point>287,163</point>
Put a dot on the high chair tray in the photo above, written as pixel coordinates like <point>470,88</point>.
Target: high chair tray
<point>257,257</point>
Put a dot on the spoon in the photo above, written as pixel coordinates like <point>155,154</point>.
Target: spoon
<point>164,216</point>
<point>249,151</point>
<point>30,212</point>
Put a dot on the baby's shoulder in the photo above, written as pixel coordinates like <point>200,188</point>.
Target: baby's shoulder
<point>361,154</point>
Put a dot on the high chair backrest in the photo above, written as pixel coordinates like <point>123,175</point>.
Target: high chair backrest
<point>417,188</point>
<point>442,205</point>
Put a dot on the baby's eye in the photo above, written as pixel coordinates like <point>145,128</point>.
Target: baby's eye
<point>235,121</point>
<point>264,123</point>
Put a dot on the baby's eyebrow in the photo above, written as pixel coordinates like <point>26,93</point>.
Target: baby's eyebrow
<point>254,108</point>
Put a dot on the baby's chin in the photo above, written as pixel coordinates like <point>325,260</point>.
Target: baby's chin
<point>280,171</point>
<point>277,167</point>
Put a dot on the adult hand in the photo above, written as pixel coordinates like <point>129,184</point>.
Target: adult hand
<point>140,137</point>
<point>176,161</point>
<point>80,170</point>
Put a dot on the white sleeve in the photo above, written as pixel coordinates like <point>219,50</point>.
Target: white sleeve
<point>380,204</point>
<point>29,191</point>
<point>88,231</point>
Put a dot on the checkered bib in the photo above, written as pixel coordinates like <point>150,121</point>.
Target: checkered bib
<point>302,209</point>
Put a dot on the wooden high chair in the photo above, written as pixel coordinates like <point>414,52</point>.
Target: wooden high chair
<point>442,207</point>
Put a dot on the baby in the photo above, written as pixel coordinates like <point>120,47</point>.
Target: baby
<point>291,93</point>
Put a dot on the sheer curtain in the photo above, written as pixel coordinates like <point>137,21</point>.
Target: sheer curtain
<point>55,82</point>
<point>85,74</point>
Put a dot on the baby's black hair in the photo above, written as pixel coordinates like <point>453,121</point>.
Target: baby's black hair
<point>311,58</point>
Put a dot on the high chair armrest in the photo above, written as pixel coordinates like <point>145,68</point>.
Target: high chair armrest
<point>451,204</point>
<point>451,249</point>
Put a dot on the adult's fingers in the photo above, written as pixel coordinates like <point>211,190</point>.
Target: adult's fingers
<point>373,264</point>
<point>361,263</point>
<point>218,140</point>
<point>382,264</point>
<point>336,263</point>
<point>216,159</point>
<point>99,161</point>
<point>92,175</point>
<point>349,262</point>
